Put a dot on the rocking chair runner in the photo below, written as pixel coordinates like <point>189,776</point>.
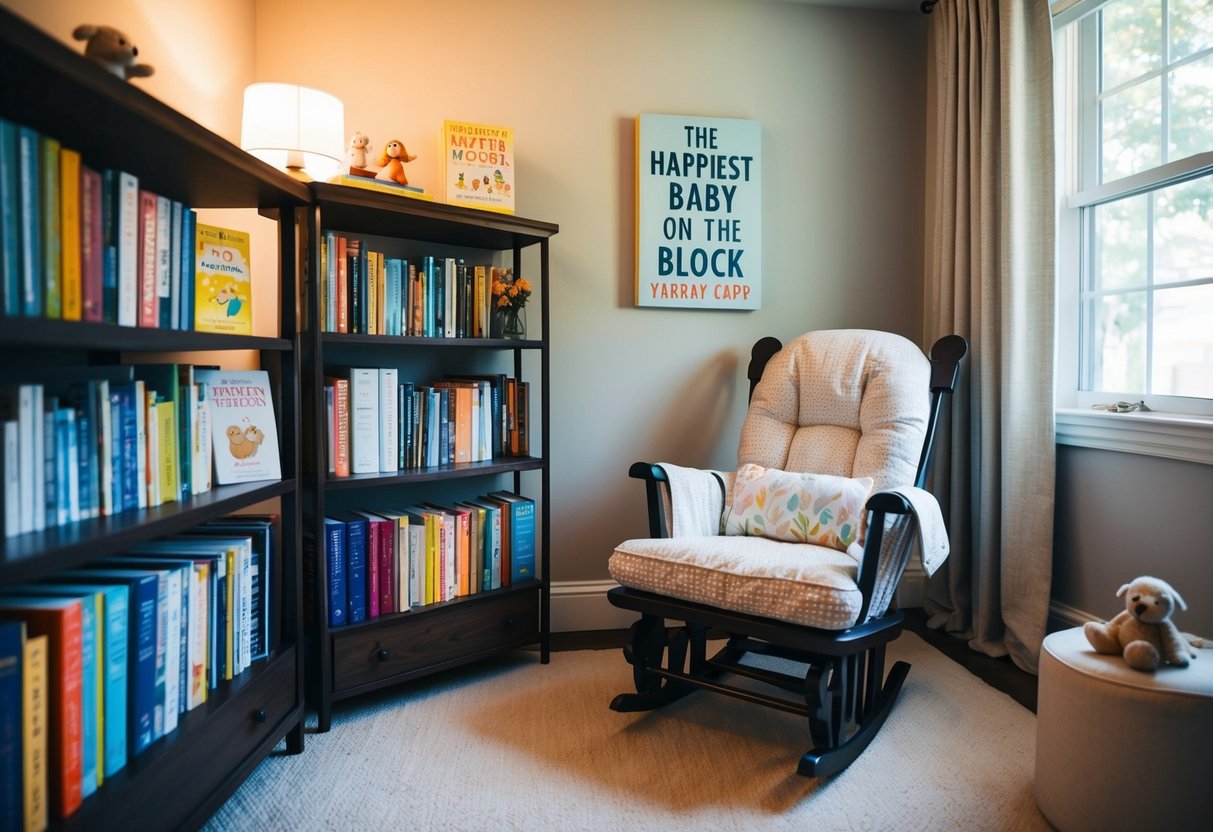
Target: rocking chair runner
<point>849,403</point>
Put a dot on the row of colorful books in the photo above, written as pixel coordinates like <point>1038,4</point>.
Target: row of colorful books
<point>385,561</point>
<point>364,291</point>
<point>376,424</point>
<point>98,663</point>
<point>104,440</point>
<point>82,244</point>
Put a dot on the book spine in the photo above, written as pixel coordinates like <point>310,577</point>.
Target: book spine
<point>29,185</point>
<point>92,253</point>
<point>387,566</point>
<point>12,655</point>
<point>176,226</point>
<point>126,224</point>
<point>370,543</point>
<point>117,618</point>
<point>89,698</point>
<point>10,259</point>
<point>389,419</point>
<point>69,224</point>
<point>163,261</point>
<point>343,287</point>
<point>144,620</point>
<point>356,574</point>
<point>149,308</point>
<point>341,405</point>
<point>10,471</point>
<point>189,250</point>
<point>335,550</point>
<point>35,718</point>
<point>52,240</point>
<point>364,421</point>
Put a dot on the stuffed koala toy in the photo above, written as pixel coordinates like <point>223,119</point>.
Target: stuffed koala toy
<point>112,50</point>
<point>1144,633</point>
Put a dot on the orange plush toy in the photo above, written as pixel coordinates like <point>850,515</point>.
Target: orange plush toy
<point>391,162</point>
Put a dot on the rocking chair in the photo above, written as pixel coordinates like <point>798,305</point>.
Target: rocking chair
<point>781,570</point>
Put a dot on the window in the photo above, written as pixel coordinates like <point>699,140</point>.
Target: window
<point>1135,242</point>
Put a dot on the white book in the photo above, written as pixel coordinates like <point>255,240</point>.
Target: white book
<point>244,433</point>
<point>389,420</point>
<point>100,390</point>
<point>127,224</point>
<point>18,405</point>
<point>197,628</point>
<point>172,651</point>
<point>416,564</point>
<point>245,557</point>
<point>201,467</point>
<point>141,443</point>
<point>40,451</point>
<point>11,478</point>
<point>164,252</point>
<point>364,421</point>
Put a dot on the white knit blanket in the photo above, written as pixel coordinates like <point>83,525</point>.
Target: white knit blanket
<point>932,534</point>
<point>697,499</point>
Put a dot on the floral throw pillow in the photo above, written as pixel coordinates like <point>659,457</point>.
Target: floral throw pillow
<point>800,508</point>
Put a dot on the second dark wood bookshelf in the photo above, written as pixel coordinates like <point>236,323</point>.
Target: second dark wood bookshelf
<point>349,660</point>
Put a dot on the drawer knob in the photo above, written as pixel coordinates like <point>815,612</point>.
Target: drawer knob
<point>259,715</point>
<point>383,655</point>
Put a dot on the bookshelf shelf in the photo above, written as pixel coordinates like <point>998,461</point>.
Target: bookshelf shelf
<point>183,776</point>
<point>395,647</point>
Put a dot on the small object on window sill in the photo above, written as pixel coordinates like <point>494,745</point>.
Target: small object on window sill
<point>1122,407</point>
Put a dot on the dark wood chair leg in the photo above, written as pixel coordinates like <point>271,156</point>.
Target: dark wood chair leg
<point>649,644</point>
<point>824,761</point>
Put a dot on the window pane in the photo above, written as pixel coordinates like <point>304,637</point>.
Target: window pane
<point>1183,341</point>
<point>1131,130</point>
<point>1132,40</point>
<point>1183,233</point>
<point>1120,343</point>
<point>1120,244</point>
<point>1191,109</point>
<point>1191,27</point>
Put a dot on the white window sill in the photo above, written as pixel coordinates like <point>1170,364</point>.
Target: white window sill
<point>1188,438</point>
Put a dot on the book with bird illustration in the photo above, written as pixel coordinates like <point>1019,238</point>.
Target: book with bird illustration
<point>242,420</point>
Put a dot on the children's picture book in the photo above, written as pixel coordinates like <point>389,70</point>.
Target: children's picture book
<point>223,296</point>
<point>245,434</point>
<point>478,165</point>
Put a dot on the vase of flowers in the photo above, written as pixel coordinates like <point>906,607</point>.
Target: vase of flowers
<point>510,295</point>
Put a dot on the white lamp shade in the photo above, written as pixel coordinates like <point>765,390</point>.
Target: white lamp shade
<point>294,127</point>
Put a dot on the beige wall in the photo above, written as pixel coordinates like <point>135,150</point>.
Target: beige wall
<point>840,98</point>
<point>839,94</point>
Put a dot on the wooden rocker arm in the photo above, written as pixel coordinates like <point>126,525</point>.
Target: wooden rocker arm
<point>881,503</point>
<point>653,477</point>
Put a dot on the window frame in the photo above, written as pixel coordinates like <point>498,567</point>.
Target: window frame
<point>1176,427</point>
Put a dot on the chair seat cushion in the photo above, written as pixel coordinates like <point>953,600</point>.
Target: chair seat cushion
<point>795,582</point>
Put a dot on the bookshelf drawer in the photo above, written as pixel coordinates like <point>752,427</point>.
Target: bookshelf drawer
<point>423,641</point>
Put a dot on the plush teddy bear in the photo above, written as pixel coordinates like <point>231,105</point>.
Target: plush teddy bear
<point>1144,633</point>
<point>112,50</point>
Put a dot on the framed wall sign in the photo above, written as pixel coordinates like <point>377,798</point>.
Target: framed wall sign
<point>698,212</point>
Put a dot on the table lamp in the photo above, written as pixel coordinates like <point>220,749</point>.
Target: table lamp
<point>295,128</point>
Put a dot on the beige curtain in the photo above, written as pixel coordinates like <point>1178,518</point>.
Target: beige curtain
<point>990,279</point>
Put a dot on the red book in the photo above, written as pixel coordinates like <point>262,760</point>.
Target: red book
<point>149,302</point>
<point>386,531</point>
<point>92,254</point>
<point>343,319</point>
<point>341,424</point>
<point>60,620</point>
<point>374,565</point>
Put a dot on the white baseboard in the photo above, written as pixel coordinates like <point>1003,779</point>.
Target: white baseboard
<point>1063,617</point>
<point>582,605</point>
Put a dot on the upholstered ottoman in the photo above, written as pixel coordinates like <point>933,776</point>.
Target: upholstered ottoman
<point>1120,749</point>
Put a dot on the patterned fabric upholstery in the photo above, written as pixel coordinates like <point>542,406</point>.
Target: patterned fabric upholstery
<point>851,403</point>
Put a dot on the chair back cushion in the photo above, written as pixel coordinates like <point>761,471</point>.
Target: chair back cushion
<point>845,402</point>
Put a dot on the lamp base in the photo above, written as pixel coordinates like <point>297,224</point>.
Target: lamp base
<point>298,173</point>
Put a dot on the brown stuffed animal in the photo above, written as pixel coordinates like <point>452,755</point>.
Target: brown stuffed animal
<point>391,162</point>
<point>113,50</point>
<point>1144,633</point>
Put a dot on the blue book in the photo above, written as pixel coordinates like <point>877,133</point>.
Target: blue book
<point>86,467</point>
<point>29,189</point>
<point>189,221</point>
<point>109,246</point>
<point>430,268</point>
<point>519,512</point>
<point>142,617</point>
<point>335,571</point>
<point>92,678</point>
<point>117,481</point>
<point>393,300</point>
<point>356,568</point>
<point>10,256</point>
<point>65,434</point>
<point>12,794</point>
<point>128,436</point>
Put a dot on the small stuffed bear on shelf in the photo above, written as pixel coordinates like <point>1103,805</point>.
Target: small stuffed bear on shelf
<point>1143,632</point>
<point>113,50</point>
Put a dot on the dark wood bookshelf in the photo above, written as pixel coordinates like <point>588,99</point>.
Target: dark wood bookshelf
<point>394,648</point>
<point>178,781</point>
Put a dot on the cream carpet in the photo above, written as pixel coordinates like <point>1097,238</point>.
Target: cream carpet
<point>514,745</point>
